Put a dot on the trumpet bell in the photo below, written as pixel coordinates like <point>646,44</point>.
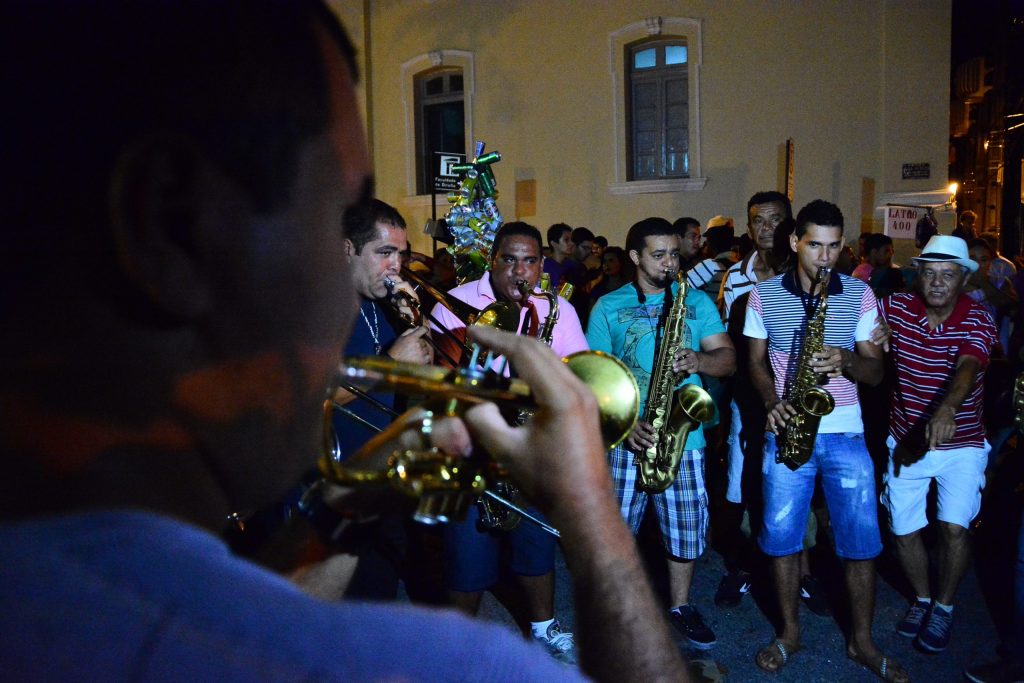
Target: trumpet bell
<point>616,390</point>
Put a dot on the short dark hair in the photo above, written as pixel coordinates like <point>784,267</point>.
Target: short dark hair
<point>515,228</point>
<point>818,212</point>
<point>556,231</point>
<point>683,224</point>
<point>876,240</point>
<point>648,227</point>
<point>244,82</point>
<point>767,197</point>
<point>580,235</point>
<point>360,221</point>
<point>601,241</point>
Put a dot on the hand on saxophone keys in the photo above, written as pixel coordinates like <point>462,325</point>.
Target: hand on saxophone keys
<point>686,362</point>
<point>829,362</point>
<point>778,415</point>
<point>642,437</point>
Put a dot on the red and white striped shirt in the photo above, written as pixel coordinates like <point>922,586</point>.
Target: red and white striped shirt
<point>926,362</point>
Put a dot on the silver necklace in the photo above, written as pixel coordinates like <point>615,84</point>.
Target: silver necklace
<point>374,329</point>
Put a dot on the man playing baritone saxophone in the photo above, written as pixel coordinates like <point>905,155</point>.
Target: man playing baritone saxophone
<point>624,323</point>
<point>941,341</point>
<point>776,322</point>
<point>472,553</point>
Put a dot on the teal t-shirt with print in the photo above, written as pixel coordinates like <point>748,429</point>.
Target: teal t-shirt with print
<point>623,327</point>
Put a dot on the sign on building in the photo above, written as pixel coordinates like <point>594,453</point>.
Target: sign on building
<point>917,171</point>
<point>901,221</point>
<point>445,179</point>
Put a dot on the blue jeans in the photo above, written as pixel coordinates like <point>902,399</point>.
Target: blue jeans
<point>848,480</point>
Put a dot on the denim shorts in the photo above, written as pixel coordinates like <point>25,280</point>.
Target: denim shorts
<point>472,556</point>
<point>848,480</point>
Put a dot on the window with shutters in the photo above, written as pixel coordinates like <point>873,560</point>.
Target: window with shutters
<point>655,71</point>
<point>658,110</point>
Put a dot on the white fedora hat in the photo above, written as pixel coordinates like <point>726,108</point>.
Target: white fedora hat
<point>946,248</point>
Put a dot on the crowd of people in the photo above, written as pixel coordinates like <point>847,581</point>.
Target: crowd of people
<point>191,256</point>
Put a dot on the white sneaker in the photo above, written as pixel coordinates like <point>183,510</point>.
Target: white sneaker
<point>559,645</point>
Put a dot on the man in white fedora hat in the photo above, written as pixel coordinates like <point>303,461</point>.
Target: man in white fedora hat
<point>941,341</point>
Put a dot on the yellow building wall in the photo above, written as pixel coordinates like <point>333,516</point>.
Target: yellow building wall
<point>861,87</point>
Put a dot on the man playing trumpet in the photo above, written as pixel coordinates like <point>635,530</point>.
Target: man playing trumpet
<point>471,553</point>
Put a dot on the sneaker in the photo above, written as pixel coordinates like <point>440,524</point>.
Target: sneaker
<point>559,645</point>
<point>688,622</point>
<point>910,624</point>
<point>995,672</point>
<point>732,588</point>
<point>814,596</point>
<point>935,635</point>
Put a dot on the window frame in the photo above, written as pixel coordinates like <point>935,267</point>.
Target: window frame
<point>422,100</point>
<point>419,64</point>
<point>619,41</point>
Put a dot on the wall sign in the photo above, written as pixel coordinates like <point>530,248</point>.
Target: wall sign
<point>917,171</point>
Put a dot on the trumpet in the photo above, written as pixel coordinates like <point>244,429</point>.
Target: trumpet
<point>444,484</point>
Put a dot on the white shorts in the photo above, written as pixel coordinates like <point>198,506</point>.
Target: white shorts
<point>959,475</point>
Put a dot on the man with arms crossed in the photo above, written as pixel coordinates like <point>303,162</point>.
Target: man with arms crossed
<point>941,341</point>
<point>777,314</point>
<point>624,323</point>
<point>176,312</point>
<point>472,553</point>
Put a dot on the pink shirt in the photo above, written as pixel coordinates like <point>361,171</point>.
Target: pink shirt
<point>567,337</point>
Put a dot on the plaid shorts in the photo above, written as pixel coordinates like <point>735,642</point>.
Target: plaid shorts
<point>682,508</point>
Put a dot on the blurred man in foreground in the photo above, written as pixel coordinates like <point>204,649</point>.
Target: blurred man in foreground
<point>176,310</point>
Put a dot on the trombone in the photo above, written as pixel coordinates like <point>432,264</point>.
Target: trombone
<point>500,314</point>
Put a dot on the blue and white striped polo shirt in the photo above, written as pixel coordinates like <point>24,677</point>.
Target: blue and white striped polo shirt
<point>776,312</point>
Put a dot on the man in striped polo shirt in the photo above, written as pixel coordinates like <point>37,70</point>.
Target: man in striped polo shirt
<point>767,213</point>
<point>777,315</point>
<point>941,340</point>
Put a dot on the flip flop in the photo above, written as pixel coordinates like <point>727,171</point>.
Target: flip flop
<point>883,667</point>
<point>776,653</point>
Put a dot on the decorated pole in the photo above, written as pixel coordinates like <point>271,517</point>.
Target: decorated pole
<point>474,218</point>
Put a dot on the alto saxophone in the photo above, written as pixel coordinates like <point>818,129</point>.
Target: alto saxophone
<point>811,400</point>
<point>673,414</point>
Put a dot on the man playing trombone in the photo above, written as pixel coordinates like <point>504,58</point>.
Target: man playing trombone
<point>375,236</point>
<point>471,553</point>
